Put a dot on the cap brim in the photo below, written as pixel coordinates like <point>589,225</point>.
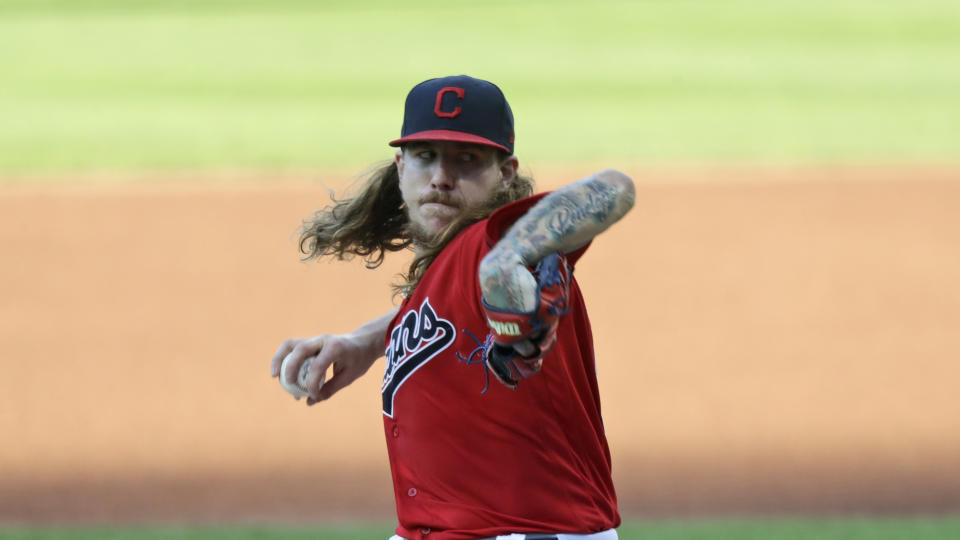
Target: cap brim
<point>448,135</point>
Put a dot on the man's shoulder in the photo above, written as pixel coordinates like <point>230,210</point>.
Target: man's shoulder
<point>472,233</point>
<point>479,237</point>
<point>497,224</point>
<point>490,229</point>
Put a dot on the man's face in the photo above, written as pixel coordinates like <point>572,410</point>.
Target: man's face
<point>440,180</point>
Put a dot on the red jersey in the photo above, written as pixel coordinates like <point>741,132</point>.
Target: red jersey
<point>471,458</point>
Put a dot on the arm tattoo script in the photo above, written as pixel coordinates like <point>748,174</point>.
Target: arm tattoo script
<point>596,203</point>
<point>566,219</point>
<point>562,221</point>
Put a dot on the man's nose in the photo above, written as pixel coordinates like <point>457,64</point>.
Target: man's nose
<point>443,177</point>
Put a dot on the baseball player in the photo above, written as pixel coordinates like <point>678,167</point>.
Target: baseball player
<point>490,402</point>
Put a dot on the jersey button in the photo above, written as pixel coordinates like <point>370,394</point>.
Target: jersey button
<point>412,492</point>
<point>396,431</point>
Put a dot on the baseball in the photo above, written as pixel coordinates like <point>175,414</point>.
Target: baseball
<point>299,389</point>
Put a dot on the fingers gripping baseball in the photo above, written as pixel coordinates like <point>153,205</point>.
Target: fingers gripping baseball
<point>282,353</point>
<point>522,339</point>
<point>339,352</point>
<point>300,370</point>
<point>306,362</point>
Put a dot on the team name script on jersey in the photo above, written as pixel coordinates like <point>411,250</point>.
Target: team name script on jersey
<point>415,340</point>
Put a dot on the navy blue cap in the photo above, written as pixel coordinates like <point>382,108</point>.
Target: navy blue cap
<point>458,108</point>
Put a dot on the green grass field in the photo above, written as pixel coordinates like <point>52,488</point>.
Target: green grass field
<point>118,85</point>
<point>794,529</point>
<point>113,85</point>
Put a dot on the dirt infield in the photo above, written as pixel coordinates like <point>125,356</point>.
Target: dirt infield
<point>769,341</point>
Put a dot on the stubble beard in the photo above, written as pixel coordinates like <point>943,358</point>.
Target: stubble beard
<point>419,235</point>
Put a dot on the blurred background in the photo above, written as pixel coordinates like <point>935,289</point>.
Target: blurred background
<point>777,322</point>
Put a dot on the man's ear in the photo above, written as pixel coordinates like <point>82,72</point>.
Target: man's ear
<point>398,159</point>
<point>508,170</point>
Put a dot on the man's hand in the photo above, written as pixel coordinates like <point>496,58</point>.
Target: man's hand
<point>350,359</point>
<point>351,355</point>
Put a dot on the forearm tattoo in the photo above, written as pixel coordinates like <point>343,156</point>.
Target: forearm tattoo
<point>563,221</point>
<point>596,204</point>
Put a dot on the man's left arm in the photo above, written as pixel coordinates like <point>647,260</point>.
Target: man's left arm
<point>564,220</point>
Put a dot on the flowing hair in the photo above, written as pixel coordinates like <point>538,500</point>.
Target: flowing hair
<point>374,222</point>
<point>367,225</point>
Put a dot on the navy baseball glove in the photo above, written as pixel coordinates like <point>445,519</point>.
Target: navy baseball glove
<point>539,326</point>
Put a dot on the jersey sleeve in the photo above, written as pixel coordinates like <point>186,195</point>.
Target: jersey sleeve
<point>500,222</point>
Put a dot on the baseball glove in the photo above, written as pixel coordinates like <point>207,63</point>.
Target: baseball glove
<point>539,327</point>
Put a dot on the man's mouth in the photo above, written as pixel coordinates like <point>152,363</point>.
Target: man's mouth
<point>439,209</point>
<point>439,199</point>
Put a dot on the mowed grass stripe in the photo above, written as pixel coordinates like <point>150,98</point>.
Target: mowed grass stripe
<point>106,85</point>
<point>932,528</point>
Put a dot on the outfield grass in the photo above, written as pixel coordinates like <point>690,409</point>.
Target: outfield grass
<point>212,84</point>
<point>779,529</point>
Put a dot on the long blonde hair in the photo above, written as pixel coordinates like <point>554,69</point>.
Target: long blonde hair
<point>374,222</point>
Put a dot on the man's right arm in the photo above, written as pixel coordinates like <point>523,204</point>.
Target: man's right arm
<point>351,355</point>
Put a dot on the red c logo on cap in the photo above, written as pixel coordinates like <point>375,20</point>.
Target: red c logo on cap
<point>437,108</point>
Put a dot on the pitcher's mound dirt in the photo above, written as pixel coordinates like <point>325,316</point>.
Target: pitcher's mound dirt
<point>768,340</point>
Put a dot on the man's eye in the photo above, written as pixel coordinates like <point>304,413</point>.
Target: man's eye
<point>467,157</point>
<point>426,154</point>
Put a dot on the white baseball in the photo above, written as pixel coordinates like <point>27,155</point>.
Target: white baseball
<point>299,389</point>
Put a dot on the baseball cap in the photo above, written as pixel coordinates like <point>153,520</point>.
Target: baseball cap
<point>457,108</point>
